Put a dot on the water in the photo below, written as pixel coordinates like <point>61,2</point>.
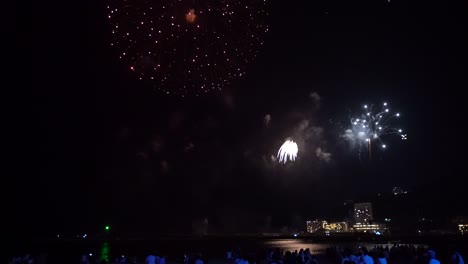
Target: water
<point>215,248</point>
<point>319,248</point>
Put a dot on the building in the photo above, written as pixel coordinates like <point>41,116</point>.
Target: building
<point>315,226</point>
<point>463,228</point>
<point>321,226</point>
<point>336,227</point>
<point>462,223</point>
<point>369,228</point>
<point>363,213</point>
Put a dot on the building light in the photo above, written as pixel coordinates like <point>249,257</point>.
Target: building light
<point>463,228</point>
<point>369,227</point>
<point>363,212</point>
<point>324,226</point>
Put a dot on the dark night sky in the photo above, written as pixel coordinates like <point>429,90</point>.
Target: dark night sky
<point>95,146</point>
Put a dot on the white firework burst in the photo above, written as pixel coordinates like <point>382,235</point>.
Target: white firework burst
<point>372,125</point>
<point>287,151</point>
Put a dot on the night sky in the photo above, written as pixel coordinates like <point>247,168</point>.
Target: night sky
<point>94,145</point>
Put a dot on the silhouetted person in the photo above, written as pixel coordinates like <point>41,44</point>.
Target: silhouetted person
<point>456,258</point>
<point>432,257</point>
<point>365,258</point>
<point>151,259</point>
<point>198,259</point>
<point>84,259</point>
<point>381,258</point>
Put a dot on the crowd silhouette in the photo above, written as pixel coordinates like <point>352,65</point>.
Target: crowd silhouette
<point>396,254</point>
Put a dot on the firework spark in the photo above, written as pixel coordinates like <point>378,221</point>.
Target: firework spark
<point>288,150</point>
<point>187,47</point>
<point>372,125</point>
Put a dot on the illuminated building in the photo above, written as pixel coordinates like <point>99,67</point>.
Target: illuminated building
<point>363,213</point>
<point>463,228</point>
<point>462,223</point>
<point>336,227</point>
<point>320,226</point>
<point>315,226</point>
<point>369,228</point>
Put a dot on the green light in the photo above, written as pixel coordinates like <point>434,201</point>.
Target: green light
<point>107,228</point>
<point>105,252</point>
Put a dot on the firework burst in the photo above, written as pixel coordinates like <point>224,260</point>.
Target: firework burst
<point>187,47</point>
<point>373,124</point>
<point>287,151</point>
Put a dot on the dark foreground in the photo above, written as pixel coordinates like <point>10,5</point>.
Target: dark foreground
<point>213,249</point>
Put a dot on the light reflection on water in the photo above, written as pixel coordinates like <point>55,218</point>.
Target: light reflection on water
<point>317,248</point>
<point>177,248</point>
<point>105,252</point>
<point>297,244</point>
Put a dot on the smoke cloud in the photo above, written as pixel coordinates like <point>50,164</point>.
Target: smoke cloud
<point>316,99</point>
<point>324,156</point>
<point>349,136</point>
<point>267,119</point>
